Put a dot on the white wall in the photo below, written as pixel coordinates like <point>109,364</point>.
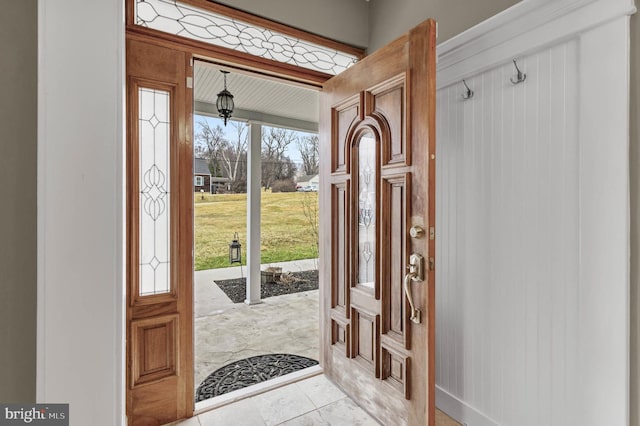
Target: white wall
<point>389,19</point>
<point>532,222</point>
<point>80,232</point>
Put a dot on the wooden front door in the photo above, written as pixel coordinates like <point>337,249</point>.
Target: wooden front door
<point>378,197</point>
<point>159,235</point>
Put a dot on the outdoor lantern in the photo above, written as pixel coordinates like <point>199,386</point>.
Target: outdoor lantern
<point>235,255</point>
<point>225,101</point>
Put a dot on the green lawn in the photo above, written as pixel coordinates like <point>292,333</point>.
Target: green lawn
<point>286,231</point>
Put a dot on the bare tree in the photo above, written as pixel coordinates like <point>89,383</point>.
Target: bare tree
<point>275,141</point>
<point>209,142</point>
<point>308,148</point>
<point>275,164</point>
<point>311,209</point>
<point>236,151</point>
<point>225,157</point>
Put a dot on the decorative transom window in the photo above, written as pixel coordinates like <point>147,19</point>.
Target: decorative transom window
<point>184,20</point>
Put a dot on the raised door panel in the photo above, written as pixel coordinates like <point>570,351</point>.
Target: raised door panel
<point>156,343</point>
<point>340,274</point>
<point>344,116</point>
<point>396,369</point>
<point>394,199</point>
<point>340,277</point>
<point>388,100</point>
<point>366,339</point>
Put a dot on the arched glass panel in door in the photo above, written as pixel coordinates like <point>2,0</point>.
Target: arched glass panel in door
<point>366,230</point>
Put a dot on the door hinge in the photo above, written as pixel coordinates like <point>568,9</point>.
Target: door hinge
<point>189,82</point>
<point>432,264</point>
<point>432,233</point>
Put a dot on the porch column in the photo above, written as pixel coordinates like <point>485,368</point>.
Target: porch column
<point>254,176</point>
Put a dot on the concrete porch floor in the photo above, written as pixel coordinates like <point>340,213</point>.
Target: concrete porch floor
<point>226,332</point>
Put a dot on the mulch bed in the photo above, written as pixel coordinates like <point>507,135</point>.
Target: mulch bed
<point>293,282</point>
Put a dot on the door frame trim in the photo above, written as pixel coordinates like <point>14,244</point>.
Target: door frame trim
<point>287,73</point>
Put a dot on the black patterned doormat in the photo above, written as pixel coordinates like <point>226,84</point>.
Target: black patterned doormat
<point>249,371</point>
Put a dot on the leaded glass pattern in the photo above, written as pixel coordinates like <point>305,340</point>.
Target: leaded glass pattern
<point>367,210</point>
<point>184,20</point>
<point>154,137</point>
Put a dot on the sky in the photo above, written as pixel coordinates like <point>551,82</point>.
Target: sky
<point>292,150</point>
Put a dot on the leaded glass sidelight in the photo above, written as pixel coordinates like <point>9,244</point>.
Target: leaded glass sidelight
<point>367,210</point>
<point>154,200</point>
<point>178,18</point>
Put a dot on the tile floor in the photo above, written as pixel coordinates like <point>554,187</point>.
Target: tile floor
<point>310,402</point>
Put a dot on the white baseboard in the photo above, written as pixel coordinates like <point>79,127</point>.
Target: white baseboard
<point>461,411</point>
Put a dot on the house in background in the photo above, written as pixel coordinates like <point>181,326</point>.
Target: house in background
<point>312,182</point>
<point>79,321</point>
<point>203,181</point>
<point>201,176</point>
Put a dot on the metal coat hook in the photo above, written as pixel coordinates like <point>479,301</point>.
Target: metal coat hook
<point>468,94</point>
<point>520,77</point>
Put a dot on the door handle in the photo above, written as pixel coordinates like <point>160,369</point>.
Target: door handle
<point>415,273</point>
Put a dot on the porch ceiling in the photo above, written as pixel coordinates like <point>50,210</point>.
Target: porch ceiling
<point>254,96</point>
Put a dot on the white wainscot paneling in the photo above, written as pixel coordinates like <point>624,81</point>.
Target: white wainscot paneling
<point>508,242</point>
<point>532,249</point>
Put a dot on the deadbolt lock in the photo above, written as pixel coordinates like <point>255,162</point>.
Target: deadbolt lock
<point>416,231</point>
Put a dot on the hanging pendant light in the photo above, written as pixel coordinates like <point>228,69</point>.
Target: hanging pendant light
<point>225,101</point>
